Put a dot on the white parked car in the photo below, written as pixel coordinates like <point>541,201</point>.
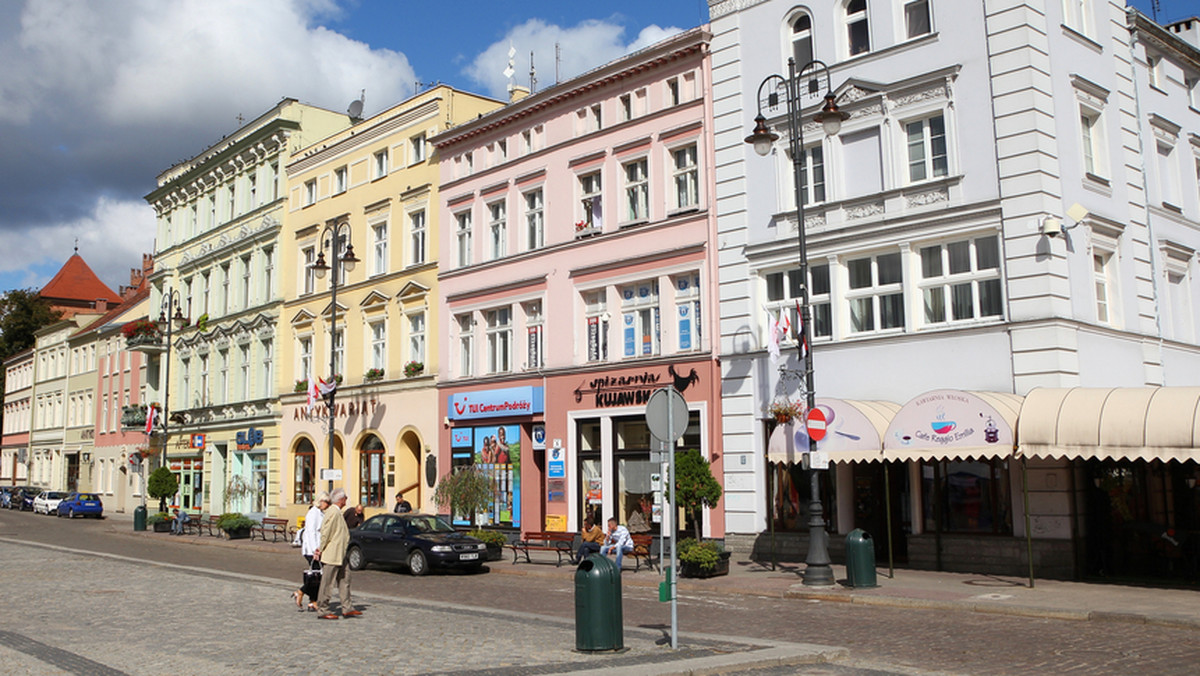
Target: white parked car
<point>47,502</point>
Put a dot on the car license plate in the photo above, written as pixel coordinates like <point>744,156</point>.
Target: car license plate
<point>468,557</point>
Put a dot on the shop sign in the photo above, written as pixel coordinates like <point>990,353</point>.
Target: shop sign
<point>556,491</point>
<point>197,441</point>
<point>948,418</point>
<point>460,437</point>
<point>344,409</point>
<point>538,434</point>
<point>498,403</point>
<point>556,468</point>
<point>633,389</point>
<point>249,439</point>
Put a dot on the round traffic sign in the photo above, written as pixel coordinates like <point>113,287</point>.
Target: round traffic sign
<point>663,403</point>
<point>815,422</point>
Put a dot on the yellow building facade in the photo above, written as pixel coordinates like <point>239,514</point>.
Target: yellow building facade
<point>218,257</point>
<point>372,190</point>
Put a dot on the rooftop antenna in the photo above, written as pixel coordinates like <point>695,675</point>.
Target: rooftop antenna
<point>241,120</point>
<point>77,245</point>
<point>1154,7</point>
<point>532,75</point>
<point>356,107</point>
<point>557,61</point>
<point>509,70</point>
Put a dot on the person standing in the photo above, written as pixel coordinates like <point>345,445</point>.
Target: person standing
<point>618,540</point>
<point>402,505</point>
<point>353,516</point>
<point>310,540</point>
<point>331,552</point>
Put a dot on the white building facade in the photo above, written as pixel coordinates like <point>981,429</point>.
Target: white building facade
<point>979,228</point>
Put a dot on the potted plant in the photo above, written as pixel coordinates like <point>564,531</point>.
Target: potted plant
<point>160,522</point>
<point>374,374</point>
<point>784,411</point>
<point>495,541</point>
<point>301,385</point>
<point>413,369</point>
<point>695,487</point>
<point>702,559</point>
<point>236,526</point>
<point>141,332</point>
<point>465,491</point>
<point>162,484</point>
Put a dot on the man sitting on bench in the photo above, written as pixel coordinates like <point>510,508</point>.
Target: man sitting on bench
<point>618,540</point>
<point>593,537</point>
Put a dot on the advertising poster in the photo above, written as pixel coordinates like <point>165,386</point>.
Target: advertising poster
<point>497,451</point>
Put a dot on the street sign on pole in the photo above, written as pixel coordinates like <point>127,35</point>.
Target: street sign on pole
<point>667,418</point>
<point>816,424</point>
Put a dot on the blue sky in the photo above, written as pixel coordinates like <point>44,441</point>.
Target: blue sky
<point>97,98</point>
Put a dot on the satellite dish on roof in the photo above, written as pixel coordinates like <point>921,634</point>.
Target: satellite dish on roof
<point>356,107</point>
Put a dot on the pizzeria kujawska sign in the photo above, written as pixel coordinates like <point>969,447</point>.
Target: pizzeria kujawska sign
<point>632,389</point>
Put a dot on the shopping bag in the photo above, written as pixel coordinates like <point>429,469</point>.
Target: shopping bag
<point>311,582</point>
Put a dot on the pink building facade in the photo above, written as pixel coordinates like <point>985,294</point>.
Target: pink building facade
<point>577,277</point>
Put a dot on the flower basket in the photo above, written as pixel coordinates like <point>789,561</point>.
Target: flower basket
<point>374,374</point>
<point>301,385</point>
<point>784,411</point>
<point>413,369</point>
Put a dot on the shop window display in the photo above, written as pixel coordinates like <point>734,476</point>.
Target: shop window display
<point>496,451</point>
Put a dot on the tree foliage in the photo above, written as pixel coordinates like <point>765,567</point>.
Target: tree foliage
<point>465,491</point>
<point>162,484</point>
<point>22,312</point>
<point>695,486</point>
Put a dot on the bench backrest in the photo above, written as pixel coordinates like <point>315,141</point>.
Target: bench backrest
<point>548,536</point>
<point>271,521</point>
<point>642,542</point>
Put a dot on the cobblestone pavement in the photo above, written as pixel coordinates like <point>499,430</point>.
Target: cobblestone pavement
<point>876,639</point>
<point>102,615</point>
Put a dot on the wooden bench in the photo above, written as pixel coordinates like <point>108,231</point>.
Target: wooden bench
<point>561,544</point>
<point>641,551</point>
<point>276,527</point>
<point>204,525</point>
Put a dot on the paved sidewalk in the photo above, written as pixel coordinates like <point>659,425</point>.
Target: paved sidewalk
<point>909,588</point>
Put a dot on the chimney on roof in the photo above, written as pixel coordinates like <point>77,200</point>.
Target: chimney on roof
<point>102,304</point>
<point>516,93</point>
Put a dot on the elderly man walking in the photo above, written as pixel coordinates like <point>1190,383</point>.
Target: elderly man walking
<point>335,537</point>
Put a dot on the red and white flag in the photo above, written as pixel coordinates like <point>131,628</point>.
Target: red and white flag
<point>318,388</point>
<point>151,418</point>
<point>801,337</point>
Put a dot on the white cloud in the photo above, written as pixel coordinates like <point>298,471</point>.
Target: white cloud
<point>111,239</point>
<point>585,46</point>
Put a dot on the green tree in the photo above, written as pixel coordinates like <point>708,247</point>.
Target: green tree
<point>465,492</point>
<point>22,312</point>
<point>695,487</point>
<point>162,484</point>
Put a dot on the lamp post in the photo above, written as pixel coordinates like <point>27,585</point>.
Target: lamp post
<point>170,316</point>
<point>334,230</point>
<point>818,571</point>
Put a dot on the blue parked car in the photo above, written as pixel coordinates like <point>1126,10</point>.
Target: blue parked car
<point>81,504</point>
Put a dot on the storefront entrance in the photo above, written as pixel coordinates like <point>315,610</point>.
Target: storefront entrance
<point>1142,520</point>
<point>879,487</point>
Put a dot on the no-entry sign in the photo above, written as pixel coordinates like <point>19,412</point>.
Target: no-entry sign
<point>815,422</point>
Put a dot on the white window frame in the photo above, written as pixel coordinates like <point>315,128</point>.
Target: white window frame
<point>1077,15</point>
<point>685,177</point>
<point>800,38</point>
<point>877,293</point>
<point>921,152</point>
<point>591,196</point>
<point>310,192</point>
<point>851,21</point>
<point>595,305</point>
<point>380,236</point>
<point>498,329</point>
<point>940,279</point>
<point>378,337</point>
<point>1106,269</point>
<point>497,229</point>
<point>304,356</point>
<point>641,328</point>
<point>535,218</point>
<point>268,291</point>
<point>381,163</point>
<point>534,335</point>
<point>465,324</point>
<point>417,143</point>
<point>463,237</point>
<point>1167,160</point>
<point>308,276</point>
<point>689,334</point>
<point>417,234</point>
<point>921,11</point>
<point>635,175</point>
<point>417,330</point>
<point>1177,280</point>
<point>339,353</point>
<point>340,180</point>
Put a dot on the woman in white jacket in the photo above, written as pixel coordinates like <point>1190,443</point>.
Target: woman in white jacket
<point>310,539</point>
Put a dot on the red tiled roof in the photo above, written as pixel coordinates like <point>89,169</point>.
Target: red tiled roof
<point>76,282</point>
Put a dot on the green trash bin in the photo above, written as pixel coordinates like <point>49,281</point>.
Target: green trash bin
<point>139,517</point>
<point>598,615</point>
<point>860,559</point>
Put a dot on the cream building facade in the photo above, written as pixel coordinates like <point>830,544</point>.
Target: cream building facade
<point>220,218</point>
<point>372,187</point>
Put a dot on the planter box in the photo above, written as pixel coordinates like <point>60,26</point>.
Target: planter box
<point>495,551</point>
<point>689,569</point>
<point>161,526</point>
<point>238,533</point>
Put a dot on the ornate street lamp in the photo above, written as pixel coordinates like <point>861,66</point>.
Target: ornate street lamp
<point>171,307</point>
<point>334,231</point>
<point>818,571</point>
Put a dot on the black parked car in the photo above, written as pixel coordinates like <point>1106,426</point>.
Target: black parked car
<point>419,541</point>
<point>22,498</point>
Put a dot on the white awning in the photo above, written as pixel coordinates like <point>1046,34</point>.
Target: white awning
<point>1132,423</point>
<point>853,433</point>
<point>953,425</point>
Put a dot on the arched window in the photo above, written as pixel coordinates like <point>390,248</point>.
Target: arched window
<point>370,472</point>
<point>858,36</point>
<point>304,474</point>
<point>802,47</point>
